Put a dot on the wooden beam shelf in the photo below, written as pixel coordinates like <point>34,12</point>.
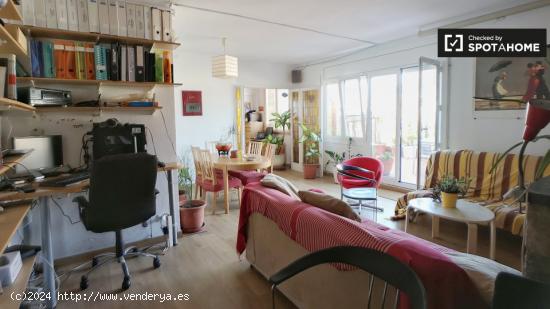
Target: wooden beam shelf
<point>18,286</point>
<point>40,32</point>
<point>11,45</point>
<point>8,105</point>
<point>114,83</point>
<point>98,110</point>
<point>10,11</point>
<point>10,162</point>
<point>10,220</point>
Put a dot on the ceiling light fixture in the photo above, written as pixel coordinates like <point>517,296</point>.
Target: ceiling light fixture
<point>225,66</point>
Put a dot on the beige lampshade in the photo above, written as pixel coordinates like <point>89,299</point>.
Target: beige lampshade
<point>224,66</point>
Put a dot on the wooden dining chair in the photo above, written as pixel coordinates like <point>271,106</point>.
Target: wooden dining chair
<point>212,181</point>
<point>270,150</point>
<point>211,146</point>
<point>255,148</point>
<point>196,152</point>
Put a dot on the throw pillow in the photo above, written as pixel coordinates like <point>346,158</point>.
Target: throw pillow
<point>329,203</point>
<point>281,184</point>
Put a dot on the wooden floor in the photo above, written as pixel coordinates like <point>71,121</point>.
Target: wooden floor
<point>206,267</point>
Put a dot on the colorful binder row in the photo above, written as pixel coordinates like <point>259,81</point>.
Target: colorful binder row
<point>89,61</point>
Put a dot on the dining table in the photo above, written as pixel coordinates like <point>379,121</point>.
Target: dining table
<point>241,163</point>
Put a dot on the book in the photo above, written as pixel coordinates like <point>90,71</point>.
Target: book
<point>140,22</point>
<point>123,63</point>
<point>36,60</point>
<point>122,21</point>
<point>59,58</point>
<point>93,16</point>
<point>80,60</point>
<point>159,72</point>
<point>167,66</point>
<point>61,10</point>
<point>100,55</point>
<point>51,13</point>
<point>83,18</point>
<point>103,14</point>
<point>48,59</point>
<point>27,12</point>
<point>113,17</point>
<point>70,60</point>
<point>90,60</point>
<point>166,26</point>
<point>131,58</point>
<point>131,19</point>
<point>40,13</point>
<point>148,29</point>
<point>156,23</point>
<point>72,14</point>
<point>140,73</point>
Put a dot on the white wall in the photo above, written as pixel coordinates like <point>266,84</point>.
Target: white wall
<point>194,71</point>
<point>72,239</point>
<point>482,133</point>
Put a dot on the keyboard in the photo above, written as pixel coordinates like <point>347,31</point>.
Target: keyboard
<point>64,181</point>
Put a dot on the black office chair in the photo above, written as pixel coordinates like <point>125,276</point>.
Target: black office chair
<point>517,292</point>
<point>122,194</point>
<point>383,266</point>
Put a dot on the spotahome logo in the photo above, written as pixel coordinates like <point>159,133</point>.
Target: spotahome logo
<point>491,42</point>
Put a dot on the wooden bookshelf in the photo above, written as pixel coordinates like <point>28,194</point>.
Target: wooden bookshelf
<point>18,286</point>
<point>11,46</point>
<point>8,105</point>
<point>98,110</point>
<point>40,32</point>
<point>10,220</point>
<point>46,80</point>
<point>11,161</point>
<point>10,11</point>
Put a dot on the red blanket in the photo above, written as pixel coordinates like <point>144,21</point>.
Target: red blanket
<point>447,285</point>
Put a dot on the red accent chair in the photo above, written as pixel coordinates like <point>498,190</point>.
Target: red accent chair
<point>360,172</point>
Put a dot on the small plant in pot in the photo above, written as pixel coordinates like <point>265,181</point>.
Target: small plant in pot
<point>282,121</point>
<point>191,211</point>
<point>387,160</point>
<point>279,156</point>
<point>448,189</point>
<point>311,141</point>
<point>335,158</point>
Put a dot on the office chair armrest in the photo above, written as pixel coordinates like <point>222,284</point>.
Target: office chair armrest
<point>344,169</point>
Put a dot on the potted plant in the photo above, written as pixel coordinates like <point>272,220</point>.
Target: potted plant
<point>282,121</point>
<point>311,140</point>
<point>449,188</point>
<point>278,160</point>
<point>336,158</point>
<point>387,160</point>
<point>191,211</point>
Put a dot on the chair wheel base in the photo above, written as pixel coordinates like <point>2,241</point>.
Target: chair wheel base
<point>83,283</point>
<point>156,262</point>
<point>126,283</point>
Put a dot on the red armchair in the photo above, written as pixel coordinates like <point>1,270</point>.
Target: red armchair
<point>359,173</point>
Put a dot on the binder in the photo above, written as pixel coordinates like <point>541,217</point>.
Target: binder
<point>27,12</point>
<point>156,22</point>
<point>59,58</point>
<point>61,10</point>
<point>147,27</point>
<point>122,23</point>
<point>123,63</point>
<point>159,74</point>
<point>113,17</point>
<point>131,64</point>
<point>39,13</point>
<point>140,73</point>
<point>166,26</point>
<point>70,60</point>
<point>146,65</point>
<point>140,30</point>
<point>72,14</point>
<point>103,11</point>
<point>152,66</point>
<point>83,18</point>
<point>108,58</point>
<point>11,87</point>
<point>80,60</point>
<point>36,58</point>
<point>51,13</point>
<point>114,67</point>
<point>131,19</point>
<point>100,57</point>
<point>167,66</point>
<point>93,16</point>
<point>89,60</point>
<point>47,59</point>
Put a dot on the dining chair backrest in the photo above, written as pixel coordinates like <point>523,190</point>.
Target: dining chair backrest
<point>270,150</point>
<point>211,146</point>
<point>196,151</point>
<point>207,166</point>
<point>255,148</point>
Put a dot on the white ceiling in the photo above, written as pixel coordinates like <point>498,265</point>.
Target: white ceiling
<point>377,21</point>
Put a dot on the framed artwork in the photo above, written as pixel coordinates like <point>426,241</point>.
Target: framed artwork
<point>507,83</point>
<point>192,103</point>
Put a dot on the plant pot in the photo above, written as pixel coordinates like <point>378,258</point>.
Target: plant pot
<point>182,197</point>
<point>448,200</point>
<point>192,216</point>
<point>279,161</point>
<point>310,171</point>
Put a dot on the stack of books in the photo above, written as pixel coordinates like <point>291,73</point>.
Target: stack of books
<point>105,61</point>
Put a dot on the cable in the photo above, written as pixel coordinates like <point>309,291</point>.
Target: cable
<point>152,140</point>
<point>168,134</point>
<point>63,213</point>
<point>17,163</point>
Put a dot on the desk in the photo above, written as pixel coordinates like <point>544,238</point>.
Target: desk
<point>43,195</point>
<point>236,164</point>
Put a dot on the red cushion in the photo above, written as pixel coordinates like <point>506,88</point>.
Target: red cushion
<point>208,186</point>
<point>247,177</point>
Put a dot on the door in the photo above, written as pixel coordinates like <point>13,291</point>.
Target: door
<point>305,109</point>
<point>429,114</point>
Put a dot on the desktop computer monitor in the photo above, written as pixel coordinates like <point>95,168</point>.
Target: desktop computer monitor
<point>111,137</point>
<point>47,152</point>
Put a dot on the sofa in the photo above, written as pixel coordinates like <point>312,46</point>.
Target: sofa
<point>276,229</point>
<point>486,188</point>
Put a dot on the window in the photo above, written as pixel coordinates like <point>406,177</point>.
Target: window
<point>353,113</point>
<point>334,110</point>
<point>276,102</point>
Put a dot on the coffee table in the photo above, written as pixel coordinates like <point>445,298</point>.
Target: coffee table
<point>466,212</point>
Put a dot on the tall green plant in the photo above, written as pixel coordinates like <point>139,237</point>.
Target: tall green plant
<point>311,140</point>
<point>281,120</point>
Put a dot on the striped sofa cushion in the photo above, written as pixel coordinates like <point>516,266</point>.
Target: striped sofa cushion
<point>485,188</point>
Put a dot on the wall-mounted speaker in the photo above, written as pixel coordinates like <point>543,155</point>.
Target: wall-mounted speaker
<point>296,76</point>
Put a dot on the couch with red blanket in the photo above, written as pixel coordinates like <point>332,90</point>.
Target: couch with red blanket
<point>276,229</point>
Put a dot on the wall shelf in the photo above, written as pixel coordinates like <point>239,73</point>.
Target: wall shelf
<point>10,12</point>
<point>40,32</point>
<point>10,162</point>
<point>8,105</point>
<point>99,110</point>
<point>11,46</point>
<point>18,286</point>
<point>10,220</point>
<point>45,80</point>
